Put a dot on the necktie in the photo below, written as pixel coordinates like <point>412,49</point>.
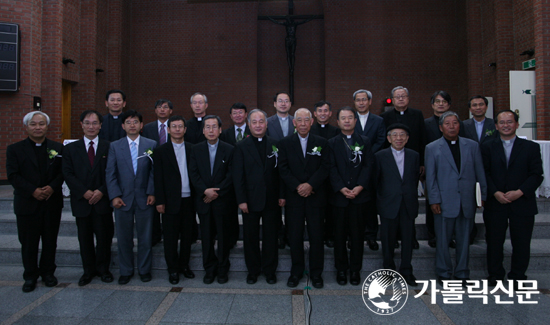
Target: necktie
<point>162,134</point>
<point>91,153</point>
<point>133,151</point>
<point>240,135</point>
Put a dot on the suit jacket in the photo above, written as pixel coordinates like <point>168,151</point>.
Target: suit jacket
<point>375,130</point>
<point>202,178</point>
<point>347,173</point>
<point>111,130</point>
<point>228,135</point>
<point>194,132</point>
<point>433,132</point>
<point>121,181</point>
<point>392,190</point>
<point>296,169</point>
<point>489,126</point>
<point>450,187</point>
<point>256,183</point>
<point>24,175</point>
<point>414,119</point>
<point>524,172</point>
<point>151,131</point>
<point>328,132</point>
<point>81,177</point>
<point>168,176</point>
<point>274,127</point>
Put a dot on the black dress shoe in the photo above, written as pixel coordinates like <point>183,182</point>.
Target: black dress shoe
<point>440,280</point>
<point>317,281</point>
<point>49,280</point>
<point>416,245</point>
<point>349,245</point>
<point>223,278</point>
<point>251,278</point>
<point>373,245</point>
<point>411,280</point>
<point>341,278</point>
<point>146,277</point>
<point>355,278</point>
<point>329,243</point>
<point>124,279</point>
<point>188,273</point>
<point>396,244</point>
<point>432,242</point>
<point>107,277</point>
<point>85,279</point>
<point>29,285</point>
<point>293,281</point>
<point>452,244</point>
<point>209,278</point>
<point>271,278</point>
<point>174,278</point>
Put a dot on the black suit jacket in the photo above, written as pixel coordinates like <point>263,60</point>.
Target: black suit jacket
<point>220,177</point>
<point>24,175</point>
<point>328,132</point>
<point>295,169</point>
<point>488,127</point>
<point>391,190</point>
<point>167,176</point>
<point>256,183</point>
<point>414,119</point>
<point>375,130</point>
<point>228,135</point>
<point>151,131</point>
<point>81,177</point>
<point>524,172</point>
<point>433,132</point>
<point>111,129</point>
<point>347,173</point>
<point>194,132</point>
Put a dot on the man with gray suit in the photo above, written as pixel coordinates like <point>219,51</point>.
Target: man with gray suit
<point>131,189</point>
<point>479,128</point>
<point>453,166</point>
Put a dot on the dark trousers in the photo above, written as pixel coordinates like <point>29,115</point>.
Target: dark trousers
<point>178,226</point>
<point>157,228</point>
<point>215,224</point>
<point>444,229</point>
<point>96,259</point>
<point>44,225</point>
<point>329,223</point>
<point>521,230</point>
<point>429,219</point>
<point>349,221</point>
<point>403,224</point>
<point>295,218</point>
<point>371,220</point>
<point>233,220</point>
<point>268,259</point>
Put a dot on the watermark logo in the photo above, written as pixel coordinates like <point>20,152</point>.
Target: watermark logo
<point>385,292</point>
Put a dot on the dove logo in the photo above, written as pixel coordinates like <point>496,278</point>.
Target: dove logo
<point>385,292</point>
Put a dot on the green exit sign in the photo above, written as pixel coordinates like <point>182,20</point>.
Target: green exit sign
<point>529,64</point>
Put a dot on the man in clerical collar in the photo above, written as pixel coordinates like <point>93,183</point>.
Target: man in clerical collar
<point>111,129</point>
<point>322,111</point>
<point>280,124</point>
<point>199,104</point>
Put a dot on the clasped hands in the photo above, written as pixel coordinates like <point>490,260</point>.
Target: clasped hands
<point>118,203</point>
<point>43,193</point>
<point>351,194</point>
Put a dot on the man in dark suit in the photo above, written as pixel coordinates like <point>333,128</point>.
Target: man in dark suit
<point>479,128</point>
<point>232,135</point>
<point>397,175</point>
<point>513,168</point>
<point>34,170</point>
<point>210,174</point>
<point>131,189</point>
<point>157,130</point>
<point>304,165</point>
<point>453,166</point>
<point>351,163</point>
<point>414,120</point>
<point>84,164</point>
<point>199,104</point>
<point>371,126</point>
<point>322,112</point>
<point>111,128</point>
<point>256,181</point>
<point>173,196</point>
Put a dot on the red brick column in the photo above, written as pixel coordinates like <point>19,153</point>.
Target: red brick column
<point>542,55</point>
<point>475,47</point>
<point>504,27</point>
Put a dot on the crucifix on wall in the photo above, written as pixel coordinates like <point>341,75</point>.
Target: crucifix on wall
<point>291,22</point>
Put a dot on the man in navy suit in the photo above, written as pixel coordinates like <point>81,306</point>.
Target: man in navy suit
<point>513,167</point>
<point>111,128</point>
<point>131,189</point>
<point>84,164</point>
<point>479,128</point>
<point>158,131</point>
<point>34,170</point>
<point>453,166</point>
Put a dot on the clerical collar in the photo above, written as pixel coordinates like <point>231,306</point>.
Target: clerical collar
<point>282,118</point>
<point>509,141</point>
<point>401,112</point>
<point>38,144</point>
<point>259,139</point>
<point>115,117</point>
<point>451,142</point>
<point>322,125</point>
<point>348,136</point>
<point>199,119</point>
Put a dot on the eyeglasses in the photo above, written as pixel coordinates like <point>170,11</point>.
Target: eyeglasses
<point>198,103</point>
<point>398,135</point>
<point>280,101</point>
<point>509,122</point>
<point>86,123</point>
<point>361,99</point>
<point>134,122</point>
<point>211,127</point>
<point>401,97</point>
<point>441,101</point>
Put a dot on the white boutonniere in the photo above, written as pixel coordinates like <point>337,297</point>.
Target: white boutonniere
<point>274,153</point>
<point>316,151</point>
<point>52,153</point>
<point>148,153</point>
<point>356,151</point>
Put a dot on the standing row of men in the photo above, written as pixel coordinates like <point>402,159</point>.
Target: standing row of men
<point>271,167</point>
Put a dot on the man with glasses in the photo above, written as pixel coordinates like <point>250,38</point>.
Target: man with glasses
<point>199,104</point>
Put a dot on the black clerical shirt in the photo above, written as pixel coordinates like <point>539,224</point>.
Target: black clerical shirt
<point>261,147</point>
<point>455,150</point>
